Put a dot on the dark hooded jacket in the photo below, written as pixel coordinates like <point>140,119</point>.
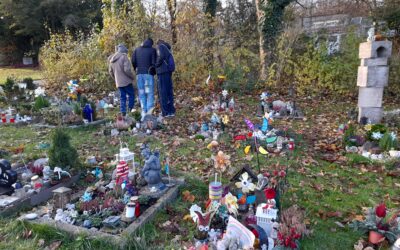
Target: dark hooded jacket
<point>163,52</point>
<point>144,57</point>
<point>120,68</point>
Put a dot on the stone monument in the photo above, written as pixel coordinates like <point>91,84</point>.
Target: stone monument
<point>373,76</point>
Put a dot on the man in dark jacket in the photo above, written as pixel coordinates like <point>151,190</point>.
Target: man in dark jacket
<point>143,61</point>
<point>120,70</point>
<point>164,70</point>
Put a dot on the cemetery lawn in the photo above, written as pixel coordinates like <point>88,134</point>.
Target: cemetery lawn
<point>19,73</point>
<point>331,186</point>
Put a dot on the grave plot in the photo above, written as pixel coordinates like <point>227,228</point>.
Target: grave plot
<point>116,204</point>
<point>279,109</point>
<point>32,106</point>
<point>23,188</point>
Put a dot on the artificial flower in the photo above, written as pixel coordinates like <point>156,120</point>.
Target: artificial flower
<point>380,210</point>
<point>221,161</point>
<point>250,134</point>
<point>282,173</point>
<point>225,120</point>
<point>193,210</point>
<point>231,203</point>
<point>368,127</point>
<point>377,135</point>
<point>245,183</point>
<point>39,92</point>
<point>224,93</point>
<point>270,193</point>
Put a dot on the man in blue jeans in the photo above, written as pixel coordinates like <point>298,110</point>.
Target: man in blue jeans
<point>165,65</point>
<point>143,61</point>
<point>120,70</point>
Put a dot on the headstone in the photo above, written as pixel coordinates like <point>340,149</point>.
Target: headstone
<point>373,76</point>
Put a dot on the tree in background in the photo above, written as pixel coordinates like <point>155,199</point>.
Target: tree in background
<point>270,15</point>
<point>172,13</point>
<point>32,20</point>
<point>210,9</point>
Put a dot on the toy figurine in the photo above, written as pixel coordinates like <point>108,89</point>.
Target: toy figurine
<point>203,226</point>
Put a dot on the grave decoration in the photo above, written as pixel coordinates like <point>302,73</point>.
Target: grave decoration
<point>278,108</point>
<point>235,217</point>
<point>29,184</point>
<point>380,224</point>
<point>373,141</point>
<point>114,203</point>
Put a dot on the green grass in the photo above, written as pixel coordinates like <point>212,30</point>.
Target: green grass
<point>320,188</point>
<point>19,73</point>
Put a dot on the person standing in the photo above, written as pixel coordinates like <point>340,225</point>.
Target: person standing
<point>165,65</point>
<point>120,70</point>
<point>143,61</point>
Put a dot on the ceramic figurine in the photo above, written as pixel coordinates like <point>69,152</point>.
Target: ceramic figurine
<point>47,173</point>
<point>231,105</point>
<point>203,226</point>
<point>215,119</point>
<point>151,170</point>
<point>262,182</point>
<point>371,34</point>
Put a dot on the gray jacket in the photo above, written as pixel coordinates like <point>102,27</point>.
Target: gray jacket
<point>120,69</point>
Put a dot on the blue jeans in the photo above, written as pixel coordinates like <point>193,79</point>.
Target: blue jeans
<point>145,83</point>
<point>124,91</point>
<point>166,93</point>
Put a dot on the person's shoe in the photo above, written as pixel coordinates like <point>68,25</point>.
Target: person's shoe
<point>143,114</point>
<point>133,110</point>
<point>170,115</point>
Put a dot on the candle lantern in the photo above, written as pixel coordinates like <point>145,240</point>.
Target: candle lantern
<point>135,200</point>
<point>36,182</point>
<point>291,145</point>
<point>62,196</point>
<point>130,210</point>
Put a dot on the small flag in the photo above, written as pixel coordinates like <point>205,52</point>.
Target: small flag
<point>166,169</point>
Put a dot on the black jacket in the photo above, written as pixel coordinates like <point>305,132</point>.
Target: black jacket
<point>163,52</point>
<point>144,57</point>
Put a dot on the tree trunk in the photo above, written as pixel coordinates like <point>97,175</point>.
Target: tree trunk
<point>172,13</point>
<point>263,54</point>
<point>210,7</point>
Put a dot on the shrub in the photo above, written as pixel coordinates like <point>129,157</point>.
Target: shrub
<point>388,141</point>
<point>40,102</point>
<point>9,84</point>
<point>61,152</point>
<point>64,57</point>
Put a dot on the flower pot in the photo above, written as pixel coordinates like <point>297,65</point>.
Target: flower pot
<point>375,237</point>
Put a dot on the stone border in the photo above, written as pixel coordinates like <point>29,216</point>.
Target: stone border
<point>95,123</point>
<point>35,199</point>
<point>121,239</point>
